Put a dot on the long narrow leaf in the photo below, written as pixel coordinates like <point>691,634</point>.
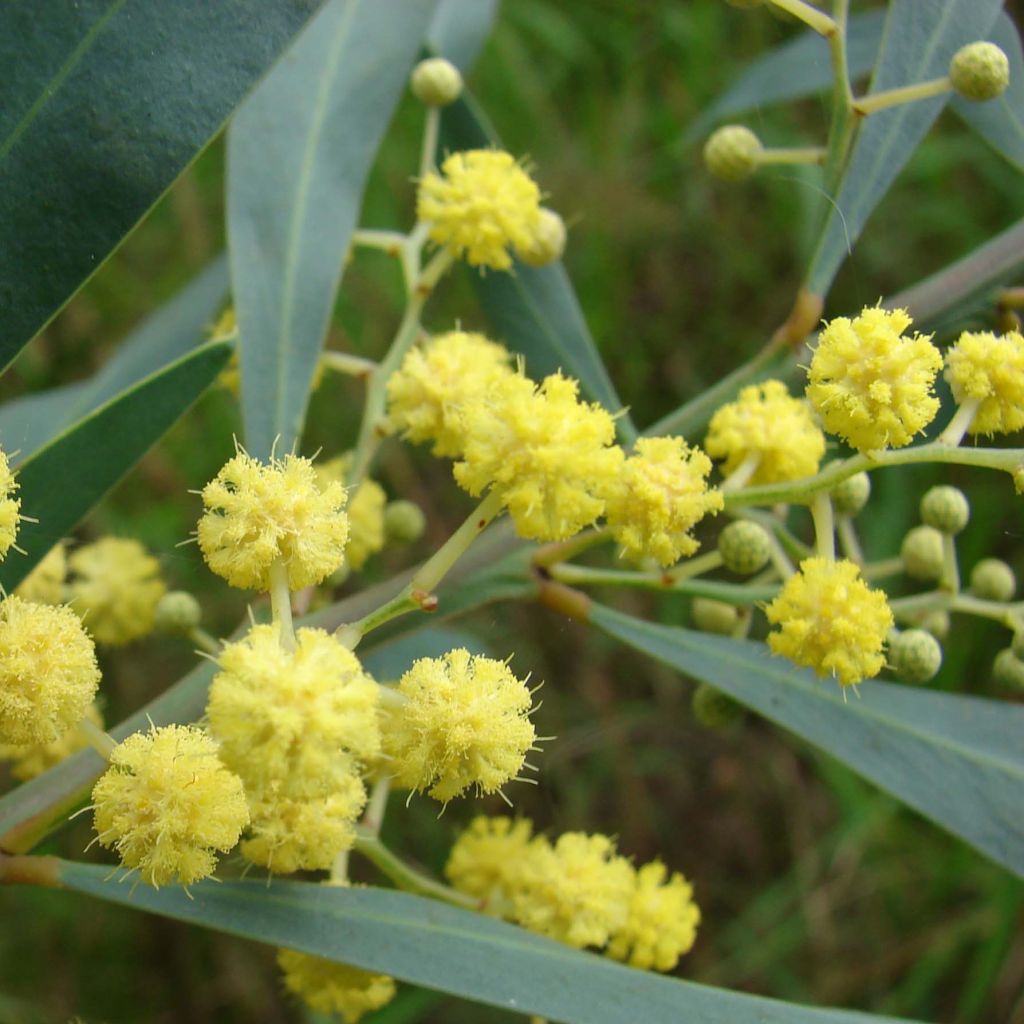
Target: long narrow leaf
<point>459,29</point>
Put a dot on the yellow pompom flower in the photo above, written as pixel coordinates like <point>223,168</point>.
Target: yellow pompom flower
<point>481,205</point>
<point>339,989</point>
<point>115,588</point>
<point>436,380</point>
<point>10,506</point>
<point>662,921</point>
<point>257,513</point>
<point>871,385</point>
<point>484,861</point>
<point>35,758</point>
<point>299,716</point>
<point>831,621</point>
<point>167,804</point>
<point>45,583</point>
<point>550,457</point>
<point>463,722</point>
<point>304,833</point>
<point>577,891</point>
<point>365,511</point>
<point>989,369</point>
<point>48,671</point>
<point>661,493</point>
<point>769,424</point>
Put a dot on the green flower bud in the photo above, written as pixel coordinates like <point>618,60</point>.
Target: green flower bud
<point>711,616</point>
<point>915,656</point>
<point>732,153</point>
<point>436,82</point>
<point>946,509</point>
<point>922,553</point>
<point>993,580</point>
<point>745,547</point>
<point>979,71</point>
<point>937,623</point>
<point>404,521</point>
<point>851,495</point>
<point>715,710</point>
<point>548,241</point>
<point>1008,669</point>
<point>177,612</point>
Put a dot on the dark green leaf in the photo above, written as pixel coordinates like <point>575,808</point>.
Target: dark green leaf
<point>919,39</point>
<point>105,103</point>
<point>459,29</point>
<point>26,424</point>
<point>299,151</point>
<point>534,310</point>
<point>958,760</point>
<point>457,951</point>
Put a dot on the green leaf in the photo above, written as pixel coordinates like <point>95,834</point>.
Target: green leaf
<point>459,28</point>
<point>61,482</point>
<point>534,310</point>
<point>299,151</point>
<point>105,103</point>
<point>919,39</point>
<point>466,954</point>
<point>958,760</point>
<point>1000,122</point>
<point>27,423</point>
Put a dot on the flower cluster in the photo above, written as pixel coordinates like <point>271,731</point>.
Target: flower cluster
<point>988,370</point>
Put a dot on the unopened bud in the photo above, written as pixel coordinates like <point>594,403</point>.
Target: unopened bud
<point>946,509</point>
<point>436,82</point>
<point>710,616</point>
<point>745,547</point>
<point>1008,669</point>
<point>849,496</point>
<point>713,709</point>
<point>547,242</point>
<point>177,612</point>
<point>732,153</point>
<point>922,554</point>
<point>404,521</point>
<point>993,580</point>
<point>915,656</point>
<point>979,71</point>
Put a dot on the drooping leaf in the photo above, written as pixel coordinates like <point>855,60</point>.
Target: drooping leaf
<point>958,760</point>
<point>457,951</point>
<point>299,151</point>
<point>27,423</point>
<point>459,29</point>
<point>919,38</point>
<point>534,310</point>
<point>105,103</point>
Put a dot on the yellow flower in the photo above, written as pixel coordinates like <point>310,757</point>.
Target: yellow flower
<point>463,722</point>
<point>662,922</point>
<point>298,717</point>
<point>365,511</point>
<point>9,506</point>
<point>990,370</point>
<point>48,671</point>
<point>484,861</point>
<point>550,456</point>
<point>339,989</point>
<point>661,493</point>
<point>871,385</point>
<point>481,205</point>
<point>831,621</point>
<point>35,758</point>
<point>435,381</point>
<point>45,583</point>
<point>257,513</point>
<point>167,804</point>
<point>115,589</point>
<point>577,891</point>
<point>767,423</point>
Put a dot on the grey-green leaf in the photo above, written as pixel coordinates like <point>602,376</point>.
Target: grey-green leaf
<point>105,103</point>
<point>299,151</point>
<point>459,29</point>
<point>534,310</point>
<point>456,951</point>
<point>919,39</point>
<point>958,760</point>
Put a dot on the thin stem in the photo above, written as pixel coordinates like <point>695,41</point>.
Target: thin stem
<point>950,578</point>
<point>30,870</point>
<point>960,423</point>
<point>428,151</point>
<point>566,550</point>
<point>1007,614</point>
<point>742,473</point>
<point>780,560</point>
<point>695,567</point>
<point>102,742</point>
<point>203,640</point>
<point>390,242</point>
<point>281,603</point>
<point>346,363</point>
<point>373,817</point>
<point>877,101</point>
<point>824,530</point>
<point>844,125</point>
<point>792,155</point>
<point>882,568</point>
<point>818,20</point>
<point>339,869</point>
<point>848,541</point>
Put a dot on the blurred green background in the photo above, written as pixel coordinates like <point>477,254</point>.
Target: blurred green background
<point>814,887</point>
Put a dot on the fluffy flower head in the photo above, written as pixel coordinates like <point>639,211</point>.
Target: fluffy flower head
<point>48,671</point>
<point>831,621</point>
<point>333,988</point>
<point>115,588</point>
<point>767,422</point>
<point>257,513</point>
<point>481,205</point>
<point>9,506</point>
<point>464,722</point>
<point>45,583</point>
<point>35,758</point>
<point>484,861</point>
<point>989,369</point>
<point>661,493</point>
<point>871,385</point>
<point>550,456</point>
<point>167,804</point>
